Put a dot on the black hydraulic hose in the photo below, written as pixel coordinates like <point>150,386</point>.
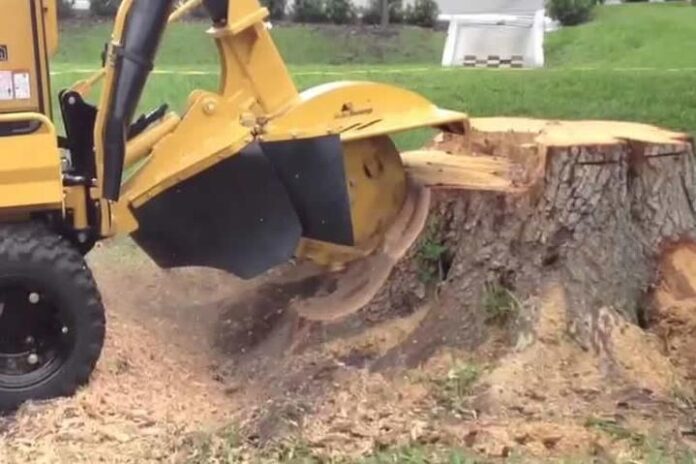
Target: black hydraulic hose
<point>217,9</point>
<point>140,40</point>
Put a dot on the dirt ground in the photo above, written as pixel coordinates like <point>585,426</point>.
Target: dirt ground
<point>202,367</point>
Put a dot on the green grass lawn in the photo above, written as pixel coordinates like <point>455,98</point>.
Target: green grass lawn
<point>591,73</point>
<point>186,44</point>
<point>630,35</point>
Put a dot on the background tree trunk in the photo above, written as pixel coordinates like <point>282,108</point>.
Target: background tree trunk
<point>610,199</point>
<point>385,13</point>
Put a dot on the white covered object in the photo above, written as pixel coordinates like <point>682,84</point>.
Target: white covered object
<point>495,40</point>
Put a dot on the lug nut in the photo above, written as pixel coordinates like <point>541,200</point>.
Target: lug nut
<point>29,340</point>
<point>34,298</point>
<point>33,359</point>
<point>64,330</point>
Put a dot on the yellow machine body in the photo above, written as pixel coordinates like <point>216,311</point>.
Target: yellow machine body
<point>257,102</point>
<point>30,168</point>
<point>28,36</point>
<point>257,107</point>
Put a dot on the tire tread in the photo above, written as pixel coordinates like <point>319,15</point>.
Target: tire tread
<point>35,244</point>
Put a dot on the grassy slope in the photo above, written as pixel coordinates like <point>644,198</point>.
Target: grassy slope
<point>187,45</point>
<point>647,36</point>
<point>631,35</point>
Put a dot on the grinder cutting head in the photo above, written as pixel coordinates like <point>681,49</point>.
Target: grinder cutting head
<point>256,174</point>
<point>352,288</point>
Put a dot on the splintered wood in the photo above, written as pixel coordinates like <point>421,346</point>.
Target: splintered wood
<point>498,156</point>
<point>437,169</point>
<point>605,200</point>
<point>510,154</point>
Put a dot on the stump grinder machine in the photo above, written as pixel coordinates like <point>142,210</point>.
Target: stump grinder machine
<point>249,177</point>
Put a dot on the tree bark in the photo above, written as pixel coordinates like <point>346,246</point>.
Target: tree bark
<point>609,199</point>
<point>385,13</point>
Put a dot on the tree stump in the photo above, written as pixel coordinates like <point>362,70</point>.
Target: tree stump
<point>610,199</point>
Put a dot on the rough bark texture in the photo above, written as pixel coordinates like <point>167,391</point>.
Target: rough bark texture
<point>609,198</point>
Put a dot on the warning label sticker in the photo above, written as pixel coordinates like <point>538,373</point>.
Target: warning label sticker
<point>6,86</point>
<point>22,86</point>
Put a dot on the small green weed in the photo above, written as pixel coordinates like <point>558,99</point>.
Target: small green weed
<point>430,256</point>
<point>657,452</point>
<point>293,451</point>
<point>417,454</point>
<point>222,446</point>
<point>685,398</point>
<point>499,304</point>
<point>453,391</point>
<point>616,431</point>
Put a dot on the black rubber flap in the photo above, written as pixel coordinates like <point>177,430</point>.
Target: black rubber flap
<point>313,173</point>
<point>236,216</point>
<point>217,9</point>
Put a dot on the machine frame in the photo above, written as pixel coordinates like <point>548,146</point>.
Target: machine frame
<point>246,178</point>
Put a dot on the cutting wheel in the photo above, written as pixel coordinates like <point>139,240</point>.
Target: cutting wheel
<point>352,288</point>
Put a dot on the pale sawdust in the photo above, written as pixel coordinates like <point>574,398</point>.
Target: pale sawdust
<point>377,340</point>
<point>144,398</point>
<point>555,374</point>
<point>536,400</point>
<point>533,401</point>
<point>150,390</point>
<point>675,319</point>
<point>153,388</point>
<point>502,438</point>
<point>370,412</point>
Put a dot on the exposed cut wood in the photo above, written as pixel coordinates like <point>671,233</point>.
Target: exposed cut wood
<point>437,169</point>
<point>607,199</point>
<point>572,133</point>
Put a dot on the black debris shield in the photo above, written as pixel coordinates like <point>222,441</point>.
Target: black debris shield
<point>246,214</point>
<point>313,173</point>
<point>235,216</point>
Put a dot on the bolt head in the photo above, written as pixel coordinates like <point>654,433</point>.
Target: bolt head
<point>34,298</point>
<point>33,359</point>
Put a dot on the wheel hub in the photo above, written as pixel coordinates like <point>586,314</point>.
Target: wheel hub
<point>35,336</point>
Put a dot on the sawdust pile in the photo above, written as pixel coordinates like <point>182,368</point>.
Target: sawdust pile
<point>152,388</point>
<point>167,377</point>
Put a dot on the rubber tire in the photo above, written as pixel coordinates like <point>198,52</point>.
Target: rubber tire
<point>32,249</point>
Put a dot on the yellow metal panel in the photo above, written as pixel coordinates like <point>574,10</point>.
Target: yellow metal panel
<point>209,133</point>
<point>250,60</point>
<point>377,189</point>
<point>140,146</point>
<point>376,186</point>
<point>358,110</point>
<point>51,26</point>
<point>76,201</point>
<point>21,60</point>
<point>43,54</point>
<point>30,170</point>
<point>329,254</point>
